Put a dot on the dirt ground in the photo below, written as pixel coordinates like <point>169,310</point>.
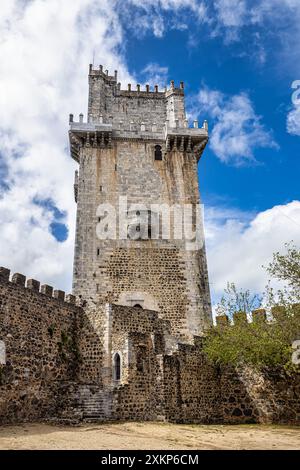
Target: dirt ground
<point>143,436</point>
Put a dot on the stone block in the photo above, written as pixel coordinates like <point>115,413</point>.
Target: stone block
<point>32,284</point>
<point>259,315</point>
<point>239,317</point>
<point>47,290</point>
<point>4,274</point>
<point>59,295</point>
<point>19,279</point>
<point>222,320</point>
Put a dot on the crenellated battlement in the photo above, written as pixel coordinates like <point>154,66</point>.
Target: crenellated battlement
<point>112,80</point>
<point>33,285</point>
<point>134,114</point>
<point>258,315</point>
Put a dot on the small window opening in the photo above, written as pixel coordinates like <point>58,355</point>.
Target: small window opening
<point>117,367</point>
<point>158,152</point>
<point>149,225</point>
<point>2,353</point>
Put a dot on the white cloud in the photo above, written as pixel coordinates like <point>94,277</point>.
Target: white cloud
<point>45,48</point>
<point>232,13</point>
<point>264,27</point>
<point>156,74</point>
<point>144,16</point>
<point>237,130</point>
<point>239,244</point>
<point>240,13</point>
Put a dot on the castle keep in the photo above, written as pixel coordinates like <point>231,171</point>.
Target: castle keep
<point>137,144</point>
<point>127,343</point>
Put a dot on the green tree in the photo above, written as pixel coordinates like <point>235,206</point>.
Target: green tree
<point>237,300</point>
<point>261,343</point>
<point>286,267</point>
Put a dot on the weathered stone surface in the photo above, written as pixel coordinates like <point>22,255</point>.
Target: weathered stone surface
<point>33,285</point>
<point>4,274</point>
<point>59,295</point>
<point>19,279</point>
<point>47,290</point>
<point>129,345</point>
<point>159,274</point>
<point>38,359</point>
<point>57,361</point>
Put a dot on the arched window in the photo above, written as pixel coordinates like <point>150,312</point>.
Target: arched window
<point>138,306</point>
<point>158,152</point>
<point>117,367</point>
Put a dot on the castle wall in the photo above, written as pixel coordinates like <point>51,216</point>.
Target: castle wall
<point>271,396</point>
<point>39,332</point>
<point>199,392</point>
<point>191,387</point>
<point>174,381</point>
<point>57,361</point>
<point>138,336</point>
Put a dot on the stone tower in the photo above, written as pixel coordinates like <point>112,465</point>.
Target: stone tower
<point>137,144</point>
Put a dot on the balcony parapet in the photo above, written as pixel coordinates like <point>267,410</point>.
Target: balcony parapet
<point>186,139</point>
<point>100,135</point>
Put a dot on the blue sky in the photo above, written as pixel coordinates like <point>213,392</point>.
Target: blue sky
<point>233,68</point>
<point>238,60</point>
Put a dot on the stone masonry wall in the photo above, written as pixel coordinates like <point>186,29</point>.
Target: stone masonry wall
<point>198,392</point>
<point>269,396</point>
<point>174,381</point>
<point>57,361</point>
<point>191,387</point>
<point>39,331</point>
<point>104,270</point>
<point>115,150</point>
<point>138,336</point>
<point>127,109</point>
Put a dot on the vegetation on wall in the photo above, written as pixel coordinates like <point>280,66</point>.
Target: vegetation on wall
<point>68,348</point>
<point>261,343</point>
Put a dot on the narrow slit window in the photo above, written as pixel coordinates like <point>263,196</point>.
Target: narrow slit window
<point>158,152</point>
<point>117,367</point>
<point>2,353</point>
